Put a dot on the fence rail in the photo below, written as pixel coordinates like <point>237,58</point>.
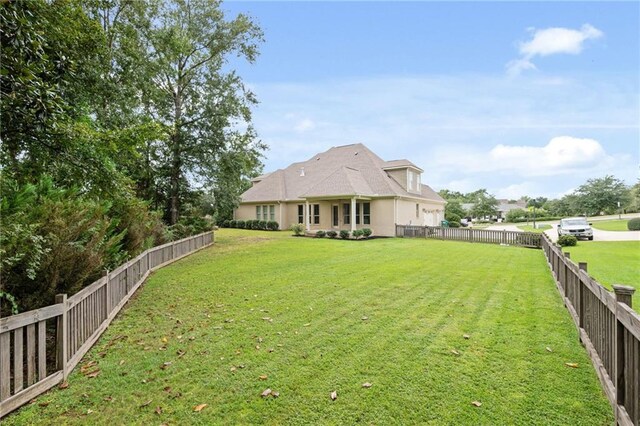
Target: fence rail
<point>609,330</point>
<point>73,324</point>
<point>514,238</point>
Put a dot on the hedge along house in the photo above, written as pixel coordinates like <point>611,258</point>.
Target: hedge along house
<point>347,187</point>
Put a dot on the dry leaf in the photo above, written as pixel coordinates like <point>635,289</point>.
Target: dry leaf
<point>263,377</point>
<point>199,408</point>
<point>164,340</point>
<point>267,319</point>
<point>258,347</point>
<point>270,350</point>
<point>275,394</point>
<point>571,364</point>
<point>63,385</point>
<point>121,362</point>
<point>466,336</point>
<point>307,324</point>
<point>549,349</point>
<point>94,374</point>
<point>146,403</point>
<point>265,393</point>
<point>364,318</point>
<point>165,365</point>
<point>158,410</point>
<point>89,411</point>
<point>180,353</point>
<point>334,395</point>
<point>476,403</point>
<point>44,404</point>
<point>109,399</point>
<point>455,352</point>
<point>167,389</point>
<point>366,385</point>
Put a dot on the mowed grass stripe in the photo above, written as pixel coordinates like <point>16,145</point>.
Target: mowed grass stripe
<point>419,298</point>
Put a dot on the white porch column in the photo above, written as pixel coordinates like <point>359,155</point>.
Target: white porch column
<point>353,214</point>
<point>306,215</point>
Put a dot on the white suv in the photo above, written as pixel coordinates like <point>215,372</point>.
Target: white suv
<point>576,226</point>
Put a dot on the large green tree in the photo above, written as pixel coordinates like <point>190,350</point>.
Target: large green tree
<point>484,204</point>
<point>204,108</point>
<point>601,195</point>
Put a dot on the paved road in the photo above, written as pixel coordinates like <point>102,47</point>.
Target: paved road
<point>598,235</point>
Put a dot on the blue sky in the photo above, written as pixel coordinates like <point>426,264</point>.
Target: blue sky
<point>518,98</point>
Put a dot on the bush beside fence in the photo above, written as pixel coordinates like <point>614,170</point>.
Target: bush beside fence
<point>74,323</point>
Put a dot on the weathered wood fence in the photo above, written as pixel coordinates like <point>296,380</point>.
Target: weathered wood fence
<point>609,330</point>
<point>75,323</point>
<point>513,238</point>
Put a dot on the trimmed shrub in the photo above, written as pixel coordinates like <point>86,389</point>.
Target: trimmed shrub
<point>454,224</point>
<point>233,223</point>
<point>634,224</point>
<point>320,234</point>
<point>226,223</point>
<point>332,234</point>
<point>297,229</point>
<point>358,233</point>
<point>344,234</point>
<point>262,224</point>
<point>567,240</point>
<point>272,225</point>
<point>240,224</point>
<point>367,232</point>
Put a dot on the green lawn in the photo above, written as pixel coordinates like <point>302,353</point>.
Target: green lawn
<point>316,316</point>
<point>611,262</point>
<point>610,225</point>
<point>529,228</point>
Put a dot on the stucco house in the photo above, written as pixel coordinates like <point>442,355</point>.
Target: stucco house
<point>347,187</point>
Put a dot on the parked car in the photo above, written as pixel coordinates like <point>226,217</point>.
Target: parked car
<point>576,226</point>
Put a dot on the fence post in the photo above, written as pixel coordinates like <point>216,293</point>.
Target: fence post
<point>61,337</point>
<point>173,250</point>
<point>623,295</point>
<point>107,292</point>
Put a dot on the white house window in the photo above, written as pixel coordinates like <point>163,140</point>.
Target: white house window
<point>265,212</point>
<point>258,212</point>
<point>366,213</point>
<point>346,213</point>
<point>300,213</point>
<point>272,212</point>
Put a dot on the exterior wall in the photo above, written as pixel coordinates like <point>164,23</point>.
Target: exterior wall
<point>248,212</point>
<point>429,213</point>
<point>400,175</point>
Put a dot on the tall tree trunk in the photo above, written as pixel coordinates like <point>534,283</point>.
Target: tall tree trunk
<point>176,161</point>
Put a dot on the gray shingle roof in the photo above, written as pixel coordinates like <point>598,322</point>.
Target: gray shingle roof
<point>343,170</point>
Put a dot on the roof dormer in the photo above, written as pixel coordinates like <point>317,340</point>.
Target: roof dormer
<point>407,174</point>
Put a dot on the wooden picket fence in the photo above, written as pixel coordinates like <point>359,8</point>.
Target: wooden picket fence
<point>490,236</point>
<point>74,324</point>
<point>609,330</point>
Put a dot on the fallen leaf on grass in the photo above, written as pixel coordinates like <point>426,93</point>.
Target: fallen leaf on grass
<point>263,377</point>
<point>307,324</point>
<point>121,362</point>
<point>164,340</point>
<point>199,408</point>
<point>158,410</point>
<point>167,389</point>
<point>109,399</point>
<point>44,404</point>
<point>265,393</point>
<point>364,318</point>
<point>275,394</point>
<point>180,353</point>
<point>146,403</point>
<point>466,336</point>
<point>334,395</point>
<point>270,350</point>
<point>63,385</point>
<point>89,411</point>
<point>549,349</point>
<point>93,374</point>
<point>476,403</point>
<point>165,365</point>
<point>571,364</point>
<point>455,352</point>
<point>366,385</point>
<point>233,369</point>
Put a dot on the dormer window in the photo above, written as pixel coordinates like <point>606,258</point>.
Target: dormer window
<point>413,181</point>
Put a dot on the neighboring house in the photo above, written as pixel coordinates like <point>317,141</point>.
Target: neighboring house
<point>347,187</point>
<point>504,206</point>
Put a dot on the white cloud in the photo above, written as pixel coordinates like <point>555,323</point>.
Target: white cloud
<point>304,125</point>
<point>552,41</point>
